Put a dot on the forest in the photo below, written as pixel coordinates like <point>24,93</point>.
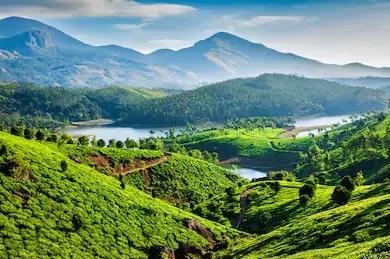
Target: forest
<point>266,95</point>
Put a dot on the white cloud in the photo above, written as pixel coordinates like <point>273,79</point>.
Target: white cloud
<point>261,20</point>
<point>130,27</point>
<point>90,8</point>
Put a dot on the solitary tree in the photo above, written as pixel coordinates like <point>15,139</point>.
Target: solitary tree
<point>348,183</point>
<point>304,199</point>
<point>29,133</point>
<point>83,141</point>
<point>112,143</point>
<point>101,143</point>
<point>120,144</point>
<point>40,135</point>
<point>341,195</point>
<point>307,189</point>
<point>130,143</point>
<point>17,131</point>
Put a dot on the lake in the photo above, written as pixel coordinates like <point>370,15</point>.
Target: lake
<point>319,121</point>
<point>121,133</point>
<point>249,173</point>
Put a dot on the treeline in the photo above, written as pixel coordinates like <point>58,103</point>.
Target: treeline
<point>259,122</point>
<point>51,107</point>
<point>268,95</point>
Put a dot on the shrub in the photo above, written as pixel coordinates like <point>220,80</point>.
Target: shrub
<point>17,131</point>
<point>341,195</point>
<point>120,144</point>
<point>304,200</point>
<point>348,183</point>
<point>52,138</point>
<point>359,179</point>
<point>1,127</point>
<point>307,189</point>
<point>101,143</point>
<point>84,141</point>
<point>64,165</point>
<point>29,133</point>
<point>40,135</point>
<point>112,143</point>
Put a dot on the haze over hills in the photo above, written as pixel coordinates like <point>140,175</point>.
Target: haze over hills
<point>35,52</point>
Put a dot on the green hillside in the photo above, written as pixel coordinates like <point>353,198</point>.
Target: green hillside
<point>266,95</point>
<point>321,229</point>
<point>53,207</point>
<point>173,177</point>
<point>51,107</point>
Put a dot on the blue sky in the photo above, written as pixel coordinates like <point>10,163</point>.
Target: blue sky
<point>341,31</point>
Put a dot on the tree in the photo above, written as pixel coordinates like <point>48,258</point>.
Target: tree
<point>359,179</point>
<point>341,195</point>
<point>52,138</point>
<point>101,143</point>
<point>348,183</point>
<point>1,127</point>
<point>230,191</point>
<point>264,217</point>
<point>94,141</point>
<point>17,131</point>
<point>29,133</point>
<point>175,147</point>
<point>112,143</point>
<point>64,165</point>
<point>307,189</point>
<point>40,135</point>
<point>130,143</point>
<point>83,141</point>
<point>119,144</point>
<point>304,199</point>
<point>152,132</point>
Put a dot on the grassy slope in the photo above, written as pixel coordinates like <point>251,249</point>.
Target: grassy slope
<point>179,179</point>
<point>253,148</point>
<point>321,229</point>
<point>40,213</point>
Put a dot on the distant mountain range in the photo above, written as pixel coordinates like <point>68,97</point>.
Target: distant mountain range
<point>35,52</point>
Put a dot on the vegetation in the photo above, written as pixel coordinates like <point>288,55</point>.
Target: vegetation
<point>50,212</point>
<point>266,95</point>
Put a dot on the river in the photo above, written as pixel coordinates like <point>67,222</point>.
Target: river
<point>107,132</point>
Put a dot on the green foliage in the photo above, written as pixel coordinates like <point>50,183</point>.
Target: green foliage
<point>29,133</point>
<point>120,144</point>
<point>130,143</point>
<point>359,179</point>
<point>270,94</point>
<point>17,131</point>
<point>281,175</point>
<point>307,189</point>
<point>52,138</point>
<point>40,135</point>
<point>304,199</point>
<point>64,165</point>
<point>83,141</point>
<point>348,182</point>
<point>101,143</point>
<point>341,195</point>
<point>81,213</point>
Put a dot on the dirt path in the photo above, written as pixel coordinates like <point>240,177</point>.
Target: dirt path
<point>148,165</point>
<point>243,206</point>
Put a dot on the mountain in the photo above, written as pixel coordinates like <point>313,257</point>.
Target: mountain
<point>35,52</point>
<point>371,82</point>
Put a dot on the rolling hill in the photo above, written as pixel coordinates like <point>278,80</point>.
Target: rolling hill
<point>48,210</point>
<point>31,51</point>
<point>266,95</point>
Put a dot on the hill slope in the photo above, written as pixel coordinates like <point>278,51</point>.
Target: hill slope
<point>267,95</point>
<point>50,211</point>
